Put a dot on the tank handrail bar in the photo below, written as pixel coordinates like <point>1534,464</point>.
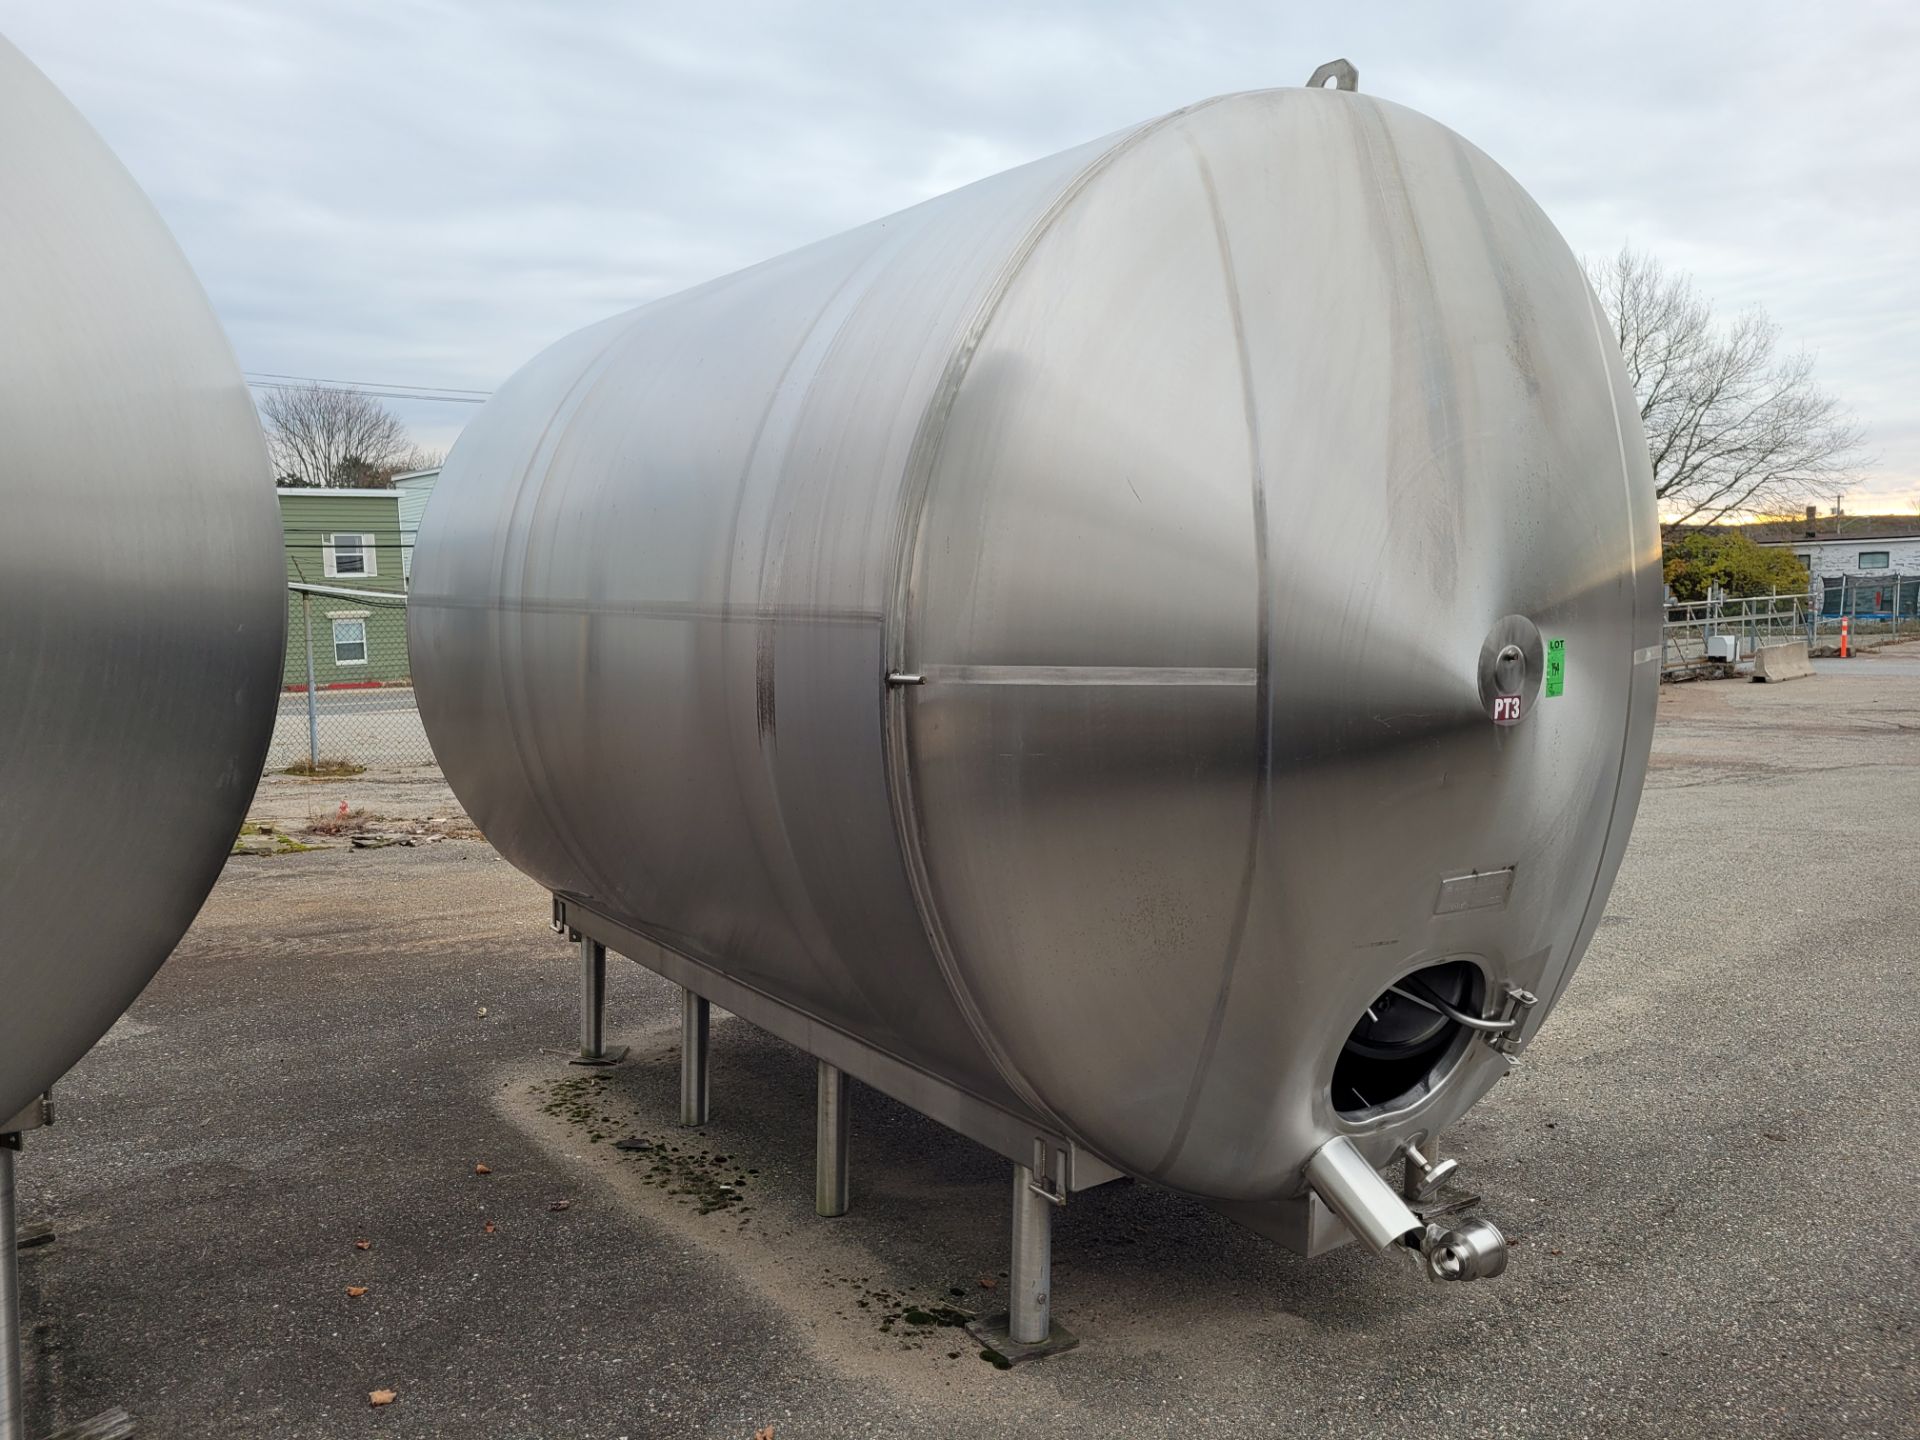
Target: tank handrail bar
<point>1427,1000</point>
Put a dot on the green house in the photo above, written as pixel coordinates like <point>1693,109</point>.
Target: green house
<point>350,540</point>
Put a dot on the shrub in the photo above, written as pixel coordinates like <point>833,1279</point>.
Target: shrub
<point>1729,559</point>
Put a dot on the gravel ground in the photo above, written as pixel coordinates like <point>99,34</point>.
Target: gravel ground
<point>1701,1161</point>
<point>416,793</point>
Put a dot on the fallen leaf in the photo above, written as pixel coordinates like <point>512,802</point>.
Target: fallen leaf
<point>483,1170</point>
<point>356,1291</point>
<point>363,1244</point>
<point>987,1282</point>
<point>380,1397</point>
<point>489,1227</point>
<point>561,1205</point>
<point>766,1434</point>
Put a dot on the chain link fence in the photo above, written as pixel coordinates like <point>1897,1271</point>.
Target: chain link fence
<point>1892,598</point>
<point>346,703</point>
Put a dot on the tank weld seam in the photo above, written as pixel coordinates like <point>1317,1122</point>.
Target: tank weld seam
<point>922,459</point>
<point>1634,677</point>
<point>1261,801</point>
<point>1176,675</point>
<point>528,491</point>
<point>788,883</point>
<point>702,610</point>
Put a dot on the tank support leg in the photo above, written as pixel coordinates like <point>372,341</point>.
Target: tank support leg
<point>1027,1331</point>
<point>1029,1293</point>
<point>12,1422</point>
<point>693,1058</point>
<point>593,1007</point>
<point>110,1425</point>
<point>830,1143</point>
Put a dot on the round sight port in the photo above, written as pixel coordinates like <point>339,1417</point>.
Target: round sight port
<point>1402,1038</point>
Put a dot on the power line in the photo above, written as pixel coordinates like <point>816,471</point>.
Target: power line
<point>377,394</point>
<point>442,394</point>
<point>373,384</point>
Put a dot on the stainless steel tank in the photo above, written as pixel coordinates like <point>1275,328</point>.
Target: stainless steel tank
<point>1157,638</point>
<point>141,610</point>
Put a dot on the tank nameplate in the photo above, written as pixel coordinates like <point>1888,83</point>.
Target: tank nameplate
<point>1486,890</point>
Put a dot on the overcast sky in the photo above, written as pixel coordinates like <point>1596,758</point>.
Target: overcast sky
<point>427,193</point>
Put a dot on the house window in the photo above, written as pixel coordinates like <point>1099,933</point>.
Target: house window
<point>1806,560</point>
<point>1873,560</point>
<point>349,554</point>
<point>349,642</point>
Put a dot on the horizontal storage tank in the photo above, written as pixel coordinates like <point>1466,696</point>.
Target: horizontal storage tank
<point>141,581</point>
<point>1159,639</point>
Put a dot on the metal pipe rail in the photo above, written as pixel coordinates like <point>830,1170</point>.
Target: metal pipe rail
<point>342,592</point>
<point>1689,625</point>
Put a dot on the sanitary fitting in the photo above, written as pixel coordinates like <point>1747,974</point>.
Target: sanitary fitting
<point>1471,1250</point>
<point>1350,1187</point>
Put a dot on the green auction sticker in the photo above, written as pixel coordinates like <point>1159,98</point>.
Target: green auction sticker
<point>1556,668</point>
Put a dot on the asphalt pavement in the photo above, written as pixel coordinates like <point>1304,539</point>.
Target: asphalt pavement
<point>1704,1163</point>
<point>1872,664</point>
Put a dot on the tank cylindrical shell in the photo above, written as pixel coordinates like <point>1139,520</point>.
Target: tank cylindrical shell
<point>1259,503</point>
<point>141,610</point>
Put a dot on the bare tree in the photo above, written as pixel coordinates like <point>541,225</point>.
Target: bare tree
<point>357,474</point>
<point>322,435</point>
<point>1733,426</point>
<point>416,458</point>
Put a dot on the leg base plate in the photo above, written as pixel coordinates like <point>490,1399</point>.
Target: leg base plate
<point>612,1055</point>
<point>994,1334</point>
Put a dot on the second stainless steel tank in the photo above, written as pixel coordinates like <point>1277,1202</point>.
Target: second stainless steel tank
<point>141,600</point>
<point>1095,634</point>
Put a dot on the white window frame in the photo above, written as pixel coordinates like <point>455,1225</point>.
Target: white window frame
<point>350,617</point>
<point>1885,556</point>
<point>368,552</point>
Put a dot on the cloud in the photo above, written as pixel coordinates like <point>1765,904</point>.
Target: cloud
<point>429,192</point>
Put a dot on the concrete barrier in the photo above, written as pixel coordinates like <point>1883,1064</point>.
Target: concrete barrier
<point>1786,660</point>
